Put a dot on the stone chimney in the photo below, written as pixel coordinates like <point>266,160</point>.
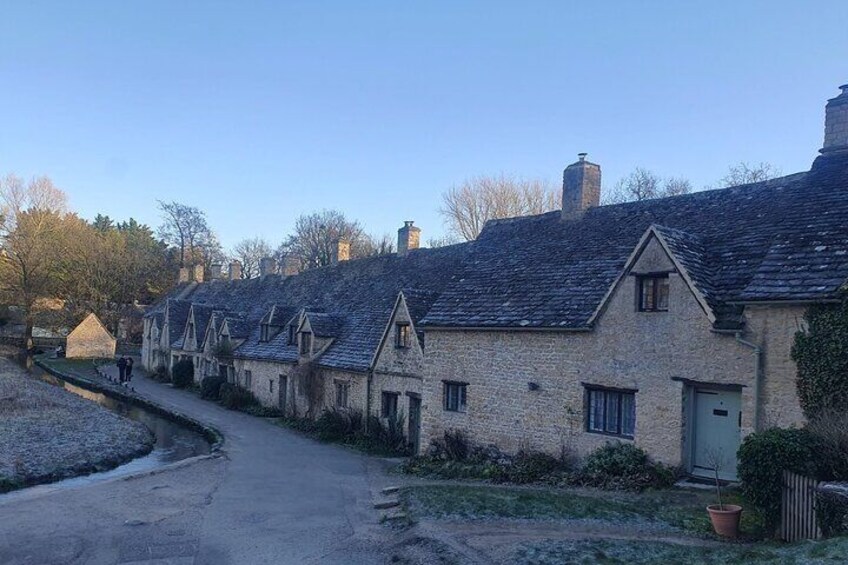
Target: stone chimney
<point>340,251</point>
<point>235,271</point>
<point>197,273</point>
<point>409,237</point>
<point>267,266</point>
<point>215,271</point>
<point>183,276</point>
<point>836,123</point>
<point>581,188</point>
<point>291,265</point>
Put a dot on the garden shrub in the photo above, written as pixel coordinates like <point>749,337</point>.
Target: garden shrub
<point>832,510</point>
<point>764,456</point>
<point>236,398</point>
<point>821,354</point>
<point>182,375</point>
<point>339,425</point>
<point>387,438</point>
<point>830,429</point>
<point>210,387</point>
<point>161,374</point>
<point>623,466</point>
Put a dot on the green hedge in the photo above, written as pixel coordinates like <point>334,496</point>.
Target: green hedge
<point>182,375</point>
<point>210,387</point>
<point>821,353</point>
<point>764,456</point>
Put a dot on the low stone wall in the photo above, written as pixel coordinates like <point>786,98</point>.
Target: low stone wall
<point>47,434</point>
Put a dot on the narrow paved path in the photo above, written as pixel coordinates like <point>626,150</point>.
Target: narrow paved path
<point>270,497</point>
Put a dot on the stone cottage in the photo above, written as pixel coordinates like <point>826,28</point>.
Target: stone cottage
<point>667,323</point>
<point>90,340</point>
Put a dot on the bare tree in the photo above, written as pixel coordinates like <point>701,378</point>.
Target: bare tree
<point>373,246</point>
<point>17,196</point>
<point>643,184</point>
<point>250,252</point>
<point>745,173</point>
<point>185,227</point>
<point>316,235</point>
<point>467,207</point>
<point>34,238</point>
<point>447,239</point>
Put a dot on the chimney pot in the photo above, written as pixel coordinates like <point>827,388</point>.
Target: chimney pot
<point>409,238</point>
<point>581,188</point>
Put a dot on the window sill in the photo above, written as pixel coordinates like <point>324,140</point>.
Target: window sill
<point>610,434</point>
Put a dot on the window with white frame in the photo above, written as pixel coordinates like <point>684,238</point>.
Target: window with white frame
<point>454,396</point>
<point>611,411</point>
<point>248,379</point>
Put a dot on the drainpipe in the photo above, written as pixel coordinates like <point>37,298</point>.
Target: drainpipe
<point>758,369</point>
<point>368,398</point>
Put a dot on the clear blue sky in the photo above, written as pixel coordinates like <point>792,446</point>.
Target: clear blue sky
<point>260,111</point>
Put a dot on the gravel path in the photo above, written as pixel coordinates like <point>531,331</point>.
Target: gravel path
<point>47,433</point>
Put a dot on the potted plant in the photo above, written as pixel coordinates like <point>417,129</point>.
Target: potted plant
<point>724,517</point>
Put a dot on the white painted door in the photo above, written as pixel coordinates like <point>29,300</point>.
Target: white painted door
<point>717,432</point>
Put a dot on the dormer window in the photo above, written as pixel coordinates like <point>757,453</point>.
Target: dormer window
<point>292,334</point>
<point>653,293</point>
<point>305,343</point>
<point>264,333</point>
<point>403,335</point>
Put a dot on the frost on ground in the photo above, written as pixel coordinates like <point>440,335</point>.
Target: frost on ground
<point>47,433</point>
<point>633,553</point>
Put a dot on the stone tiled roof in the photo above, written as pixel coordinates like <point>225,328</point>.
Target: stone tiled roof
<point>352,302</point>
<point>177,317</point>
<point>784,239</point>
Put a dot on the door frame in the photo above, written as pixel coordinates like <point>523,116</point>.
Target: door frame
<point>692,389</point>
<point>413,397</point>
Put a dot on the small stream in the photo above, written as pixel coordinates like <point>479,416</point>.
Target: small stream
<point>174,442</point>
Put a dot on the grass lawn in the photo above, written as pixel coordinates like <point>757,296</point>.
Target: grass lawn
<point>645,552</point>
<point>681,509</point>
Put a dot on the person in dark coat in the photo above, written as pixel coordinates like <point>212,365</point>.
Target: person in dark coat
<point>129,370</point>
<point>122,368</point>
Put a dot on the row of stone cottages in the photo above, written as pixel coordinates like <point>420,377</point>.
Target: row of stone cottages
<point>665,322</point>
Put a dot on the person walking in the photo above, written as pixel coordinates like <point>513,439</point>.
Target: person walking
<point>122,369</point>
<point>129,368</point>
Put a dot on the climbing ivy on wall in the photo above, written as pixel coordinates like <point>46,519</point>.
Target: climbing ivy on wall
<point>821,353</point>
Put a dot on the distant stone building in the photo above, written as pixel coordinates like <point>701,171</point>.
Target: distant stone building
<point>665,323</point>
<point>90,340</point>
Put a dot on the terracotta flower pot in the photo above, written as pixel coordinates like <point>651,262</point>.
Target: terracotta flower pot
<point>725,519</point>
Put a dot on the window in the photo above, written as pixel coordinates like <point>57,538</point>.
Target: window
<point>454,396</point>
<point>389,405</point>
<point>292,334</point>
<point>271,385</point>
<point>342,390</point>
<point>653,293</point>
<point>611,411</point>
<point>305,343</point>
<point>264,333</point>
<point>248,379</point>
<point>403,335</point>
